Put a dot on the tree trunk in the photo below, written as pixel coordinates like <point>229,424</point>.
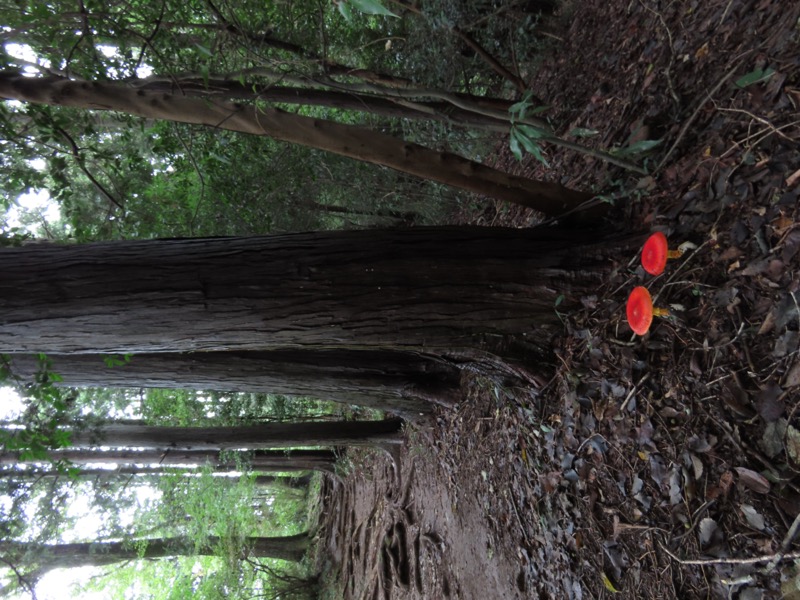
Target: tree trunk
<point>346,140</point>
<point>399,108</point>
<point>268,435</point>
<point>109,475</point>
<point>98,554</point>
<point>395,381</point>
<point>450,292</point>
<point>258,460</point>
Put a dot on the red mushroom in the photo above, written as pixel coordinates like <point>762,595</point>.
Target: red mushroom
<point>640,310</point>
<point>656,252</point>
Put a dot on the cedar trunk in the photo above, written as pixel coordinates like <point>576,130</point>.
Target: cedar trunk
<point>346,140</point>
<point>96,554</point>
<point>449,292</point>
<point>395,381</point>
<point>268,435</point>
<point>257,460</point>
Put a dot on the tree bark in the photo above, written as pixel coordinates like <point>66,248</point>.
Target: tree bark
<point>251,437</point>
<point>109,475</point>
<point>399,382</point>
<point>456,293</point>
<point>384,107</point>
<point>346,140</point>
<point>98,554</point>
<point>257,460</point>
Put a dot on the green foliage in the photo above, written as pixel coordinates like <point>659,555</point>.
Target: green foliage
<point>755,76</point>
<point>117,360</point>
<point>46,408</point>
<point>636,149</point>
<point>370,7</point>
<point>523,136</point>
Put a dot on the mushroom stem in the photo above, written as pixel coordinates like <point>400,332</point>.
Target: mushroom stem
<point>674,253</point>
<point>660,312</point>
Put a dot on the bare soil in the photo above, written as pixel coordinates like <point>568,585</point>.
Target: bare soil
<point>641,454</point>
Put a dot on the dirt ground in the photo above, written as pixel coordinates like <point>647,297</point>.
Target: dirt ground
<point>659,467</point>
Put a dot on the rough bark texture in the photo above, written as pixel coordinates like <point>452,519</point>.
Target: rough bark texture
<point>97,554</point>
<point>346,140</point>
<point>449,292</point>
<point>399,382</point>
<point>258,460</point>
<point>268,435</point>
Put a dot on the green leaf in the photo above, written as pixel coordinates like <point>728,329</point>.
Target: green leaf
<point>204,51</point>
<point>513,144</point>
<point>636,148</point>
<point>583,132</point>
<point>520,108</point>
<point>344,9</point>
<point>61,438</point>
<point>532,132</point>
<point>527,136</point>
<point>371,7</point>
<point>753,77</point>
<point>560,299</point>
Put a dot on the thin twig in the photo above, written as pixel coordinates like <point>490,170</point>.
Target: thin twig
<point>761,120</point>
<point>787,541</point>
<point>732,561</point>
<point>696,112</point>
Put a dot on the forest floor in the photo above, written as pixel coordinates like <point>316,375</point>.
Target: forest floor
<point>641,453</point>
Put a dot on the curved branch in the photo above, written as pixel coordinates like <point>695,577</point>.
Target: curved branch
<point>20,577</point>
<point>76,153</point>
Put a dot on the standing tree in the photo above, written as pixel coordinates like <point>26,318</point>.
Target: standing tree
<point>258,460</point>
<point>32,560</point>
<point>458,294</point>
<point>403,383</point>
<point>245,437</point>
<point>347,140</point>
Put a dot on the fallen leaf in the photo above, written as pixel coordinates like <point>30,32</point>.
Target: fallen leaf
<point>752,593</point>
<point>736,399</point>
<point>793,376</point>
<point>752,480</point>
<point>772,439</point>
<point>701,52</point>
<point>792,179</point>
<point>770,403</point>
<point>607,583</point>
<point>768,324</point>
<point>786,344</point>
<point>753,517</point>
<point>697,467</point>
<point>781,223</point>
<point>675,489</point>
<point>707,528</point>
<point>793,444</point>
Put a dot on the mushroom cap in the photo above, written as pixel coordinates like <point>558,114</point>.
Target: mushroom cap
<point>655,253</point>
<point>640,310</point>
